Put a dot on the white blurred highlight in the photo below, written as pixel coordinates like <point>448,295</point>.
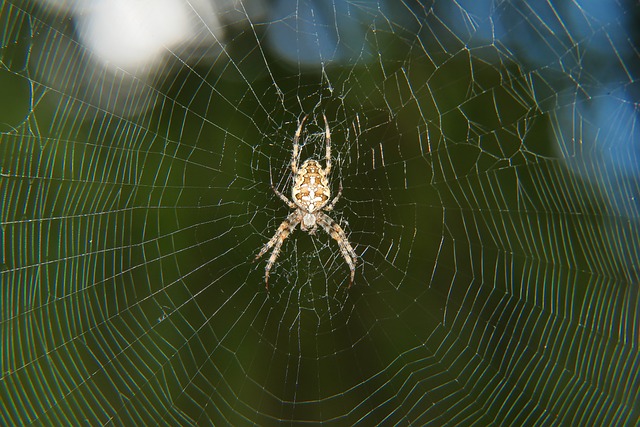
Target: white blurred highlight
<point>129,34</point>
<point>134,35</point>
<point>128,46</point>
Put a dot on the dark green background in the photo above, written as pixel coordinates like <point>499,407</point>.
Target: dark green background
<point>499,250</point>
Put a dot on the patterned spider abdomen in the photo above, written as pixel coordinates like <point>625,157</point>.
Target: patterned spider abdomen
<point>311,189</point>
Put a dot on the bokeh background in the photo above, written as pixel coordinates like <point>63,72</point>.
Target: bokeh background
<point>489,153</point>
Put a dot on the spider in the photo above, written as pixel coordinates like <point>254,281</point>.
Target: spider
<point>310,194</point>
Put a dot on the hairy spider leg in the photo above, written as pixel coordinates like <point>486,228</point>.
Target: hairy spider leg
<point>337,233</point>
<point>331,204</point>
<point>284,198</point>
<point>327,137</point>
<point>295,158</point>
<point>286,227</point>
<point>279,194</point>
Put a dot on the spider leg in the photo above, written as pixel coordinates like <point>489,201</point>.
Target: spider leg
<point>295,158</point>
<point>335,231</point>
<point>279,194</point>
<point>327,137</point>
<point>286,227</point>
<point>284,198</point>
<point>335,199</point>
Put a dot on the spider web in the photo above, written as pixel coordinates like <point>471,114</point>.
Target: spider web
<point>489,154</point>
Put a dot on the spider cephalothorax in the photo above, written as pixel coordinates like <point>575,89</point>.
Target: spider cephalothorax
<point>311,194</point>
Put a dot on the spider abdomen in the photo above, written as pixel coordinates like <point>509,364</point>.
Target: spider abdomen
<point>310,190</point>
